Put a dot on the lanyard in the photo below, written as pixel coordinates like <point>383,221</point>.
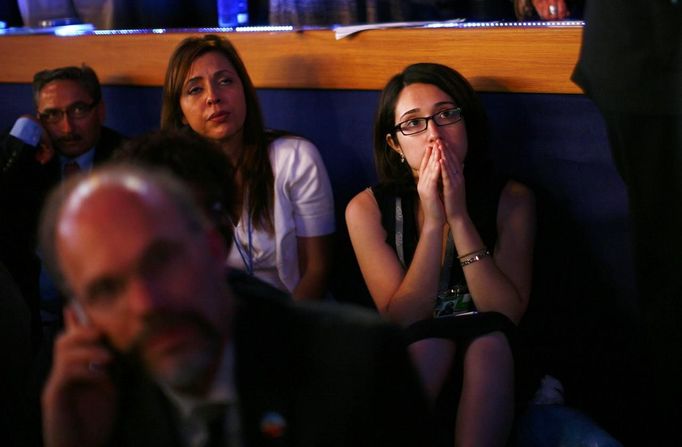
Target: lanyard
<point>446,267</point>
<point>247,256</point>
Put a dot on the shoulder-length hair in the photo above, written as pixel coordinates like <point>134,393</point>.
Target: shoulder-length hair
<point>389,167</point>
<point>254,162</point>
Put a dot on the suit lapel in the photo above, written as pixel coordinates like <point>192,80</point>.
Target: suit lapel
<point>108,142</point>
<point>146,416</point>
<point>265,380</point>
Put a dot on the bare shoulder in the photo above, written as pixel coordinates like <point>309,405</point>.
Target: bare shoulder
<point>515,190</point>
<point>516,198</point>
<point>362,206</point>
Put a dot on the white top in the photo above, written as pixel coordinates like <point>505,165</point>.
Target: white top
<point>303,206</point>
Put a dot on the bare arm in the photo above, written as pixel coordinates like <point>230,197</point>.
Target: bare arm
<point>404,297</point>
<point>314,263</point>
<point>501,282</point>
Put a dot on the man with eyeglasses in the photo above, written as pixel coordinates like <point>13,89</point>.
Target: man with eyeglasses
<point>66,135</point>
<point>164,346</point>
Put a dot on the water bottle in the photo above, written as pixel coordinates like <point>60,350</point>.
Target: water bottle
<point>233,13</point>
<point>41,13</point>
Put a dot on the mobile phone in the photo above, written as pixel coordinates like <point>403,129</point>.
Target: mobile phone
<point>463,314</point>
<point>114,367</point>
<point>81,316</point>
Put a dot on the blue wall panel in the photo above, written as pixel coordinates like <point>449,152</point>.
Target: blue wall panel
<point>583,277</point>
<point>556,143</point>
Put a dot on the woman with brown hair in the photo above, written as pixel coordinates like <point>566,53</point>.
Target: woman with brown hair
<point>284,212</point>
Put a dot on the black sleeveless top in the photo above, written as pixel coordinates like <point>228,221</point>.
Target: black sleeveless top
<point>482,203</point>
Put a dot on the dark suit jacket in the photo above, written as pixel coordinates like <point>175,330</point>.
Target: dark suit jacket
<point>339,376</point>
<point>24,185</point>
<point>631,56</point>
<point>15,351</point>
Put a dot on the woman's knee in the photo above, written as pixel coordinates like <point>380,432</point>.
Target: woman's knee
<point>493,345</point>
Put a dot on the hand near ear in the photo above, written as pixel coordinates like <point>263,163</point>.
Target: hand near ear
<point>79,399</point>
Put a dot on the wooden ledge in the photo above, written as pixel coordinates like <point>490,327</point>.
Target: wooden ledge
<point>499,59</point>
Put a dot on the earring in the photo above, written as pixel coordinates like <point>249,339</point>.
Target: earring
<point>402,157</point>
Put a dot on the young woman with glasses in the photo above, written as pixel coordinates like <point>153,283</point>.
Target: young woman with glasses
<point>284,213</point>
<point>445,246</point>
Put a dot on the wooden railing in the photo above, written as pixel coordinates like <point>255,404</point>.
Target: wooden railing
<point>499,59</point>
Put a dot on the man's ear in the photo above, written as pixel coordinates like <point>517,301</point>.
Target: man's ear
<point>101,112</point>
<point>183,120</point>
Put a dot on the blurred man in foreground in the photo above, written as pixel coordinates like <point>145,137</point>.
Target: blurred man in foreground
<point>159,349</point>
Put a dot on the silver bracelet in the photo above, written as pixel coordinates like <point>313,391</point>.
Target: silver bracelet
<point>474,258</point>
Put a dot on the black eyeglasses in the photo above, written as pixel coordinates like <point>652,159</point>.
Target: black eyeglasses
<point>417,125</point>
<point>77,111</point>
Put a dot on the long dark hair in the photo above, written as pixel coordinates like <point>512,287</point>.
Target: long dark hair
<point>389,167</point>
<point>254,162</point>
<point>483,182</point>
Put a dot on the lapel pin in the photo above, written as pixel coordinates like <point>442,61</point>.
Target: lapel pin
<point>273,425</point>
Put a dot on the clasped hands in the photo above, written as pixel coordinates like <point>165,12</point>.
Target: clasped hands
<point>441,184</point>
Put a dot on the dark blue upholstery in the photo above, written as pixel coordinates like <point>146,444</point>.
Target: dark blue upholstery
<point>555,143</point>
<point>583,283</point>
